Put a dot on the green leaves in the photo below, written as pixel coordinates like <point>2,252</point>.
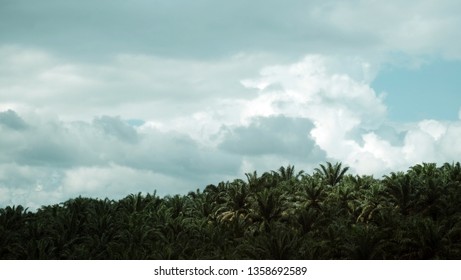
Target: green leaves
<point>331,174</point>
<point>281,214</point>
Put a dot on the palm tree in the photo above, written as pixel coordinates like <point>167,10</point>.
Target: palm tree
<point>331,240</point>
<point>401,189</point>
<point>424,170</point>
<point>280,244</point>
<point>452,171</point>
<point>133,203</point>
<point>203,205</point>
<point>236,202</point>
<point>364,242</point>
<point>371,202</point>
<point>343,200</point>
<point>309,218</point>
<point>311,193</point>
<point>178,205</point>
<point>13,217</point>
<point>424,239</point>
<point>268,206</point>
<point>102,228</point>
<point>287,174</point>
<point>266,181</point>
<point>12,225</point>
<point>331,174</point>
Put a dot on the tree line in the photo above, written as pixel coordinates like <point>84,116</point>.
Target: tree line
<point>281,214</point>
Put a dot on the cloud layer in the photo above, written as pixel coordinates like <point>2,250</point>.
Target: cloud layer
<point>319,108</point>
<point>111,98</point>
<point>207,28</point>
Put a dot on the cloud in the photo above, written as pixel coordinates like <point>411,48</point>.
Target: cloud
<point>52,160</point>
<point>91,30</point>
<point>303,113</point>
<point>134,85</point>
<point>115,127</point>
<point>275,135</point>
<point>11,120</point>
<point>419,28</point>
<point>30,186</point>
<point>195,123</point>
<point>349,119</point>
<point>117,181</point>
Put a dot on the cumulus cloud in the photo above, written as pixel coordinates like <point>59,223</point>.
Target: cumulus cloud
<point>349,118</point>
<point>320,108</point>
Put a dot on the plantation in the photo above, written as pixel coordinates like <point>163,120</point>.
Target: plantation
<point>282,214</point>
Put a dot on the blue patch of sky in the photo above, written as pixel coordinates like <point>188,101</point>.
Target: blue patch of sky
<point>431,91</point>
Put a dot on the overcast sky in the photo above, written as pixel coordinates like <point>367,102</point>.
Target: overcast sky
<point>106,98</point>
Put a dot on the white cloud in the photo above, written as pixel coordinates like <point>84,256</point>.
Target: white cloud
<point>56,160</point>
<point>449,144</point>
<point>423,27</point>
<point>348,116</point>
<point>63,141</point>
<point>433,128</point>
<point>315,89</point>
<point>136,86</point>
<point>118,181</point>
<point>419,146</point>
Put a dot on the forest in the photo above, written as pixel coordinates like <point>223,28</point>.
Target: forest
<point>280,214</point>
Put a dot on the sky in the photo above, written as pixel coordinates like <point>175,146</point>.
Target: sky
<point>107,98</point>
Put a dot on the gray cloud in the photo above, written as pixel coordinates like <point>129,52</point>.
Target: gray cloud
<point>11,120</point>
<point>54,160</point>
<point>89,29</point>
<point>175,28</point>
<point>115,127</point>
<point>275,135</point>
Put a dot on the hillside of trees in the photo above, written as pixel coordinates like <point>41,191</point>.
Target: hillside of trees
<point>282,214</point>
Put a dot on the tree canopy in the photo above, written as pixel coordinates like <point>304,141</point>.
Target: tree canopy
<point>281,214</point>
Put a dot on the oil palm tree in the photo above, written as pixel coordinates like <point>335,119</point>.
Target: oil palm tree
<point>309,219</point>
<point>280,244</point>
<point>364,242</point>
<point>331,174</point>
<point>268,206</point>
<point>311,193</point>
<point>287,173</point>
<point>12,226</point>
<point>266,181</point>
<point>452,171</point>
<point>423,239</point>
<point>401,190</point>
<point>236,203</point>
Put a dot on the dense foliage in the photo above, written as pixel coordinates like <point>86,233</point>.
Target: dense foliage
<point>280,215</point>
